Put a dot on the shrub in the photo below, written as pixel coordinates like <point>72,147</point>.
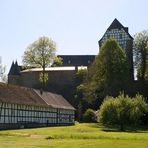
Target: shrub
<point>122,111</point>
<point>89,116</point>
<point>139,110</point>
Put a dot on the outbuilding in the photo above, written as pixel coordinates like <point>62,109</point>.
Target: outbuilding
<point>22,107</point>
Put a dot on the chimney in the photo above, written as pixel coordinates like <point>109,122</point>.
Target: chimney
<point>41,91</point>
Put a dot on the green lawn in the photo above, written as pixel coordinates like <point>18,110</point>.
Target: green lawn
<point>77,136</point>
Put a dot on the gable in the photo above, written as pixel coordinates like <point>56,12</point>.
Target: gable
<point>114,30</point>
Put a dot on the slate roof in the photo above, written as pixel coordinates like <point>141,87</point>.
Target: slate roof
<point>77,60</point>
<point>54,100</point>
<point>15,69</point>
<point>116,25</point>
<point>28,96</point>
<point>68,60</point>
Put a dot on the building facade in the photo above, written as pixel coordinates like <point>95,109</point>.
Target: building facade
<point>120,33</point>
<point>61,79</point>
<point>22,107</point>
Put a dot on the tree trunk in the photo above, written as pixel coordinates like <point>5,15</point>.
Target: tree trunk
<point>121,127</point>
<point>43,77</point>
<point>80,111</point>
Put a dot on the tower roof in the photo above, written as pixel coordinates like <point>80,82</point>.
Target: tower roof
<point>11,69</point>
<point>117,25</point>
<point>15,69</point>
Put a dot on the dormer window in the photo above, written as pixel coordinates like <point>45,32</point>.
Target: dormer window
<point>69,62</point>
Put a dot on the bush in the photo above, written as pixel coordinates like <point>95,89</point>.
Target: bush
<point>89,116</point>
<point>122,111</point>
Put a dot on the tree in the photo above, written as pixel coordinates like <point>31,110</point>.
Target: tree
<point>2,72</point>
<point>57,61</point>
<point>78,96</point>
<point>89,116</point>
<point>108,73</point>
<point>122,111</point>
<point>40,53</point>
<point>141,54</point>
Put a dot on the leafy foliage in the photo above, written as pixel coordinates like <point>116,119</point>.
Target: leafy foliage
<point>141,54</point>
<point>40,53</point>
<point>45,77</point>
<point>80,77</point>
<point>57,61</point>
<point>109,72</point>
<point>78,95</point>
<point>89,116</point>
<point>3,77</point>
<point>122,110</point>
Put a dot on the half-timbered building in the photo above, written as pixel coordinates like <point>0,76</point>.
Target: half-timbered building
<point>26,107</point>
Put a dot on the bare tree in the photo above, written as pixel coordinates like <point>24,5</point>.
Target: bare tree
<point>3,77</point>
<point>141,54</point>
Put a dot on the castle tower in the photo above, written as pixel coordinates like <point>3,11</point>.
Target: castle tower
<point>120,33</point>
<point>14,74</point>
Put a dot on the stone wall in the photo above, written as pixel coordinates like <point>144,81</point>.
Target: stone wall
<point>61,82</point>
<point>61,78</point>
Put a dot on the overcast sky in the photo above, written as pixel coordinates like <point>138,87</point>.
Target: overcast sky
<point>75,25</point>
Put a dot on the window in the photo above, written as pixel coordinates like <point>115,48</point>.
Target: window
<point>13,112</point>
<point>120,36</point>
<point>69,61</point>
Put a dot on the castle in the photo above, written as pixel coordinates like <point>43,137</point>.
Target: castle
<point>28,107</point>
<point>62,79</point>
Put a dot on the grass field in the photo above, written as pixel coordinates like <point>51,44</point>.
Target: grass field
<point>77,136</point>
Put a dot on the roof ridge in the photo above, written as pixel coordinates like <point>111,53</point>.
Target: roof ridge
<point>58,101</point>
<point>35,90</point>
